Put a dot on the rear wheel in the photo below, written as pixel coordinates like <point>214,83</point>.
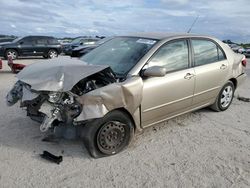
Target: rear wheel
<point>225,97</point>
<point>11,53</point>
<point>108,135</point>
<point>52,53</point>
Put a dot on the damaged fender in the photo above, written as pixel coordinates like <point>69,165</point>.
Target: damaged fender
<point>127,95</point>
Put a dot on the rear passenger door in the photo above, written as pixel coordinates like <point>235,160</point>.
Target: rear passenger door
<point>211,69</point>
<point>41,46</point>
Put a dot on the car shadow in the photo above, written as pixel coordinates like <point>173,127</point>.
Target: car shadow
<point>24,134</point>
<point>29,57</point>
<point>6,72</point>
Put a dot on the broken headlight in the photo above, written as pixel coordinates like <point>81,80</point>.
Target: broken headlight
<point>54,97</point>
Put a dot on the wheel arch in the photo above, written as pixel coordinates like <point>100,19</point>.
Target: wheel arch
<point>53,49</point>
<point>234,80</point>
<point>11,48</point>
<point>124,110</point>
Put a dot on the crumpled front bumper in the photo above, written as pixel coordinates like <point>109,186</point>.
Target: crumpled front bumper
<point>74,109</point>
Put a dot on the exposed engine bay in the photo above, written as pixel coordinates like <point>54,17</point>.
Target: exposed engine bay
<point>53,108</point>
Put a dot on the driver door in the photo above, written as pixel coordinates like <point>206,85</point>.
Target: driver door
<point>172,94</point>
<point>26,46</point>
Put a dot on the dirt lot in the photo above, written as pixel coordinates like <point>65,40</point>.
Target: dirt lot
<point>200,149</point>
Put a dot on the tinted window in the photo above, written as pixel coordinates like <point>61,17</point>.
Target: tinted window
<point>52,41</point>
<point>173,56</point>
<point>206,52</point>
<point>28,41</point>
<point>42,41</point>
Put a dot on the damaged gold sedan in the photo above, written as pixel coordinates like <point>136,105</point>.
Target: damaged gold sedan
<point>127,84</point>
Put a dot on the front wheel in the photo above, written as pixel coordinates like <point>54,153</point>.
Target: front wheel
<point>52,54</point>
<point>11,53</point>
<point>225,97</point>
<point>108,135</point>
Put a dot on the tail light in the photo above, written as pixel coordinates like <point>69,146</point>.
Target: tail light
<point>244,62</point>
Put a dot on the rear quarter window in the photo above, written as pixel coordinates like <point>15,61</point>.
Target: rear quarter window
<point>53,41</point>
<point>206,51</point>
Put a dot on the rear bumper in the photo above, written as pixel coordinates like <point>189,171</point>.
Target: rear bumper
<point>241,78</point>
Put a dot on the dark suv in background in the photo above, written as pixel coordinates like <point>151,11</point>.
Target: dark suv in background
<point>45,46</point>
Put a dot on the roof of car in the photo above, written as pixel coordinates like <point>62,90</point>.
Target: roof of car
<point>40,36</point>
<point>160,36</point>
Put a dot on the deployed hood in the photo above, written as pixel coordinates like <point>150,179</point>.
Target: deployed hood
<point>59,74</point>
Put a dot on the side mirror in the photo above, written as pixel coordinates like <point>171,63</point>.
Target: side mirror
<point>21,42</point>
<point>155,71</point>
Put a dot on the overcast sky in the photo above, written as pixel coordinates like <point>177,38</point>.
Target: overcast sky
<point>225,19</point>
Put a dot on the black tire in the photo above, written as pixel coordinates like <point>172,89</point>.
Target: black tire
<point>11,52</point>
<point>52,53</point>
<point>223,100</point>
<point>108,135</point>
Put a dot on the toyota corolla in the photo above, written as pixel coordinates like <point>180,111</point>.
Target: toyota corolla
<point>127,84</point>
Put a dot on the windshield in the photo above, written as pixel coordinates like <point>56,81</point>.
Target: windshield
<point>103,40</point>
<point>120,53</point>
<point>76,40</point>
<point>17,39</point>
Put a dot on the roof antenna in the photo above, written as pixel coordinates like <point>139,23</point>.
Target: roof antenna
<point>193,24</point>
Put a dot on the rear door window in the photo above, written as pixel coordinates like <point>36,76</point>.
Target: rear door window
<point>52,41</point>
<point>41,41</point>
<point>206,51</point>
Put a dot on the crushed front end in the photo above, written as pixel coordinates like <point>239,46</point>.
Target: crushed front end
<point>57,108</point>
<point>48,108</point>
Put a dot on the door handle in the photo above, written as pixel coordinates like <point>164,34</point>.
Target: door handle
<point>189,76</point>
<point>223,66</point>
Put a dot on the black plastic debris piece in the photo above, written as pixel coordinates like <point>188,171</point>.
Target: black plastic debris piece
<point>50,157</point>
<point>244,99</point>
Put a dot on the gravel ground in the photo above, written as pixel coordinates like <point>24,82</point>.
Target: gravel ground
<point>200,149</point>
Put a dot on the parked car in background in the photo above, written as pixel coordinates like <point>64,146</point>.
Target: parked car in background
<point>84,49</point>
<point>237,48</point>
<point>45,46</point>
<point>80,41</point>
<point>247,52</point>
<point>127,84</point>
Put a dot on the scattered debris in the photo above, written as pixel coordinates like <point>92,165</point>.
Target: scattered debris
<point>155,129</point>
<point>50,157</point>
<point>15,67</point>
<point>244,99</point>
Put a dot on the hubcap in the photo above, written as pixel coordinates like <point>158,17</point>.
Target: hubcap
<point>52,54</point>
<point>11,54</point>
<point>111,137</point>
<point>226,96</point>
